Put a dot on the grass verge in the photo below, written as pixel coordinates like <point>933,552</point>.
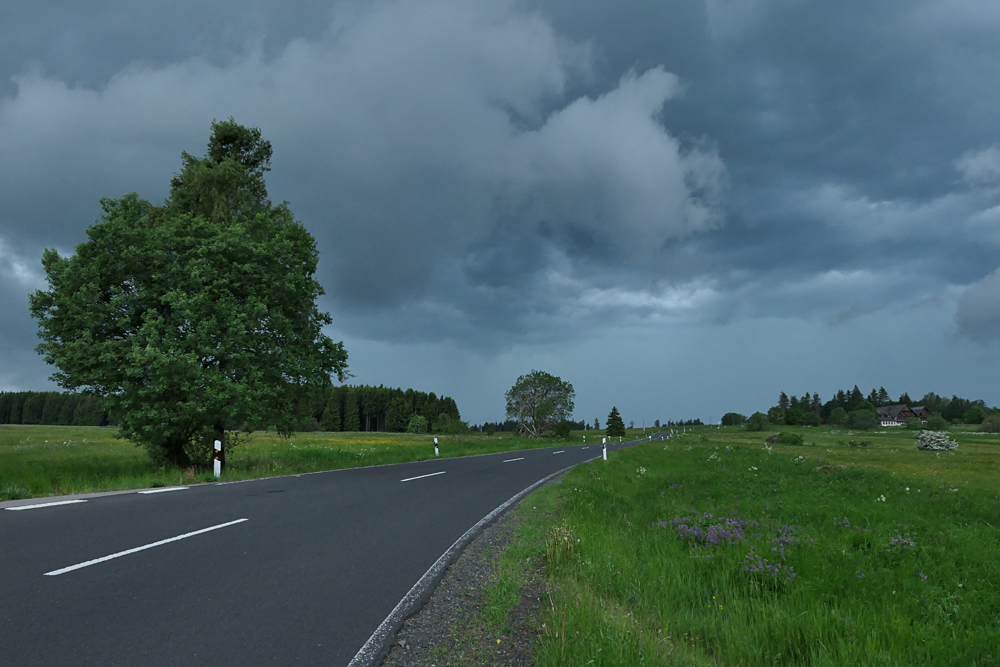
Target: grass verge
<point>716,549</point>
<point>56,460</point>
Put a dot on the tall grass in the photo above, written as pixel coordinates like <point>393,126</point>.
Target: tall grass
<point>54,460</point>
<point>715,548</point>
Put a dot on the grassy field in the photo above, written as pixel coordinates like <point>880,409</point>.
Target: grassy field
<point>56,460</point>
<point>717,549</point>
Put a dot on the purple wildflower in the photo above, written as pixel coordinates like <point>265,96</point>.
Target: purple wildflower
<point>900,544</point>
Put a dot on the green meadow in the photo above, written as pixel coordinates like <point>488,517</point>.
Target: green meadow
<point>716,548</point>
<point>57,460</point>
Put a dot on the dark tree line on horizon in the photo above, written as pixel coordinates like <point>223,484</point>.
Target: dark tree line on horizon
<point>338,408</point>
<point>853,408</point>
<point>367,408</point>
<point>953,409</point>
<point>54,408</point>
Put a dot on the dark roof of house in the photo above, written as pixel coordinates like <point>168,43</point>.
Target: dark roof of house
<point>893,411</point>
<point>902,412</point>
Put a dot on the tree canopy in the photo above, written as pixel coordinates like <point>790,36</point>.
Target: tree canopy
<point>758,422</point>
<point>539,402</point>
<point>732,419</point>
<point>196,316</point>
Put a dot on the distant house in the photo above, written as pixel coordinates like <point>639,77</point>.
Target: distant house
<point>896,415</point>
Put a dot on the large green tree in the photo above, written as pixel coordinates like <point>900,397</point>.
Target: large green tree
<point>194,317</point>
<point>538,402</point>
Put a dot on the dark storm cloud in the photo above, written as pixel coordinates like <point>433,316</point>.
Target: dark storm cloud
<point>978,314</point>
<point>414,139</point>
<point>497,174</point>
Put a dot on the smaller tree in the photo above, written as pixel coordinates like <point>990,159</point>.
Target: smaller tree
<point>352,414</point>
<point>732,419</point>
<point>974,415</point>
<point>34,406</point>
<point>330,420</point>
<point>839,417</point>
<point>937,422</point>
<point>615,425</point>
<point>538,402</point>
<point>991,424</point>
<point>787,438</point>
<point>417,424</point>
<point>913,424</point>
<point>597,425</point>
<point>883,397</point>
<point>810,419</point>
<point>776,415</point>
<point>397,415</point>
<point>794,416</point>
<point>863,419</point>
<point>758,422</point>
<point>448,426</point>
<point>561,430</point>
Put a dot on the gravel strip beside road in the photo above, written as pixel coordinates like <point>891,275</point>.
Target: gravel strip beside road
<point>444,631</point>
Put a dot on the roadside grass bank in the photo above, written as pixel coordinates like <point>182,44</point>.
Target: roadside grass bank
<point>38,461</point>
<point>715,548</point>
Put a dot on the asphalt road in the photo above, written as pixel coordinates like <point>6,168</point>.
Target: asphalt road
<point>316,565</point>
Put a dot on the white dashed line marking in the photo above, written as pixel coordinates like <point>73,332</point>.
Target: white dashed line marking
<point>32,507</point>
<point>172,488</point>
<point>410,479</point>
<point>142,548</point>
<point>559,452</point>
<point>511,460</point>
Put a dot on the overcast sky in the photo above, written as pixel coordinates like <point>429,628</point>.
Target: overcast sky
<point>681,207</point>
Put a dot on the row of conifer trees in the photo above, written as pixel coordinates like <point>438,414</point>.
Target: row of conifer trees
<point>344,408</point>
<point>52,408</point>
<point>367,408</point>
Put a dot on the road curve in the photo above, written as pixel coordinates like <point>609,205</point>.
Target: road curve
<point>290,570</point>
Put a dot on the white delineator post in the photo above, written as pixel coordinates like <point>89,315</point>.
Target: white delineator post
<point>604,443</point>
<point>217,459</point>
<point>435,447</point>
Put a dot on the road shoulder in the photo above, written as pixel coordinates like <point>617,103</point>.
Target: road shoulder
<point>453,628</point>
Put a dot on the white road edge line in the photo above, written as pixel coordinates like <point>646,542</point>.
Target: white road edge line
<point>373,648</point>
<point>172,488</point>
<point>142,548</point>
<point>32,507</point>
<point>511,460</point>
<point>410,479</point>
<point>559,452</point>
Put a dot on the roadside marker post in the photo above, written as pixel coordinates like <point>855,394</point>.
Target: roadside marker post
<point>604,442</point>
<point>217,459</point>
<point>435,447</point>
